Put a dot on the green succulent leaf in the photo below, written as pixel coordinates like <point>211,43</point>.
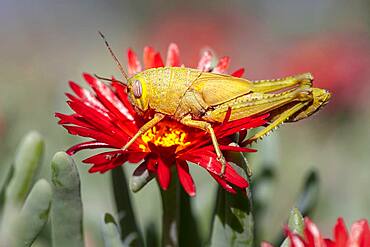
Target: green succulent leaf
<point>188,223</point>
<point>33,216</point>
<point>27,161</point>
<point>295,224</point>
<point>310,193</point>
<point>110,232</point>
<point>128,225</point>
<point>233,221</point>
<point>140,178</point>
<point>66,212</point>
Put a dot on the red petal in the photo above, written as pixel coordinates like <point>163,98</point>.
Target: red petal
<point>173,55</point>
<point>266,244</point>
<point>312,234</point>
<point>149,54</point>
<point>106,161</point>
<point>86,96</point>
<point>223,183</point>
<point>164,174</point>
<point>151,164</point>
<point>106,167</point>
<point>96,119</point>
<point>87,145</point>
<point>295,239</point>
<point>238,73</point>
<point>122,95</point>
<point>236,149</point>
<point>134,65</point>
<point>185,178</point>
<point>340,233</point>
<point>227,116</point>
<point>222,66</point>
<point>94,134</point>
<point>72,119</point>
<point>102,110</point>
<point>107,93</point>
<point>105,157</point>
<point>329,243</point>
<point>242,135</point>
<point>238,125</point>
<point>359,234</point>
<point>158,62</point>
<point>136,157</point>
<point>233,177</point>
<point>113,104</point>
<point>208,160</point>
<point>205,61</point>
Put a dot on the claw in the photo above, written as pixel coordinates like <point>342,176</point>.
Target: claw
<point>223,167</point>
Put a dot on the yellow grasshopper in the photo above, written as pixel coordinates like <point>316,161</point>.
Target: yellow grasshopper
<point>197,99</point>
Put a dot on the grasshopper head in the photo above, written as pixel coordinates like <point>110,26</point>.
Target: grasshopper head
<point>137,92</point>
<point>320,97</point>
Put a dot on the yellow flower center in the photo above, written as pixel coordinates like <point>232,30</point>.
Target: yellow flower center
<point>165,135</point>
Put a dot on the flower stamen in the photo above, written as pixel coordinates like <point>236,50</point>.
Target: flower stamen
<point>165,135</point>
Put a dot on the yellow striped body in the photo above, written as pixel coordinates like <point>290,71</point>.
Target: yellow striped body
<point>178,92</point>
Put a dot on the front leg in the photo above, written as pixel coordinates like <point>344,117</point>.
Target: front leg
<point>156,119</point>
<point>207,127</point>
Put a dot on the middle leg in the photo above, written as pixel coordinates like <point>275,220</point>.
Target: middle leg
<point>207,127</point>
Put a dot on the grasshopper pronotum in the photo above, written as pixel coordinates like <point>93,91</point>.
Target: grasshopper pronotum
<point>197,99</point>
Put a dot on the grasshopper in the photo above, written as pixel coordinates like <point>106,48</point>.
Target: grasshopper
<point>198,99</point>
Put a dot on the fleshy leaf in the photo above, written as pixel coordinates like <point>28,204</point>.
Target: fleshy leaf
<point>110,232</point>
<point>26,165</point>
<point>124,208</point>
<point>66,212</point>
<point>140,177</point>
<point>309,194</point>
<point>233,221</point>
<point>188,222</point>
<point>33,216</point>
<point>295,224</point>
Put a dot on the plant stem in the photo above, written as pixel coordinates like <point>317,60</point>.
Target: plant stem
<point>170,215</point>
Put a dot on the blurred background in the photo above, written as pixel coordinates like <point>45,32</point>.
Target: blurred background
<point>46,43</point>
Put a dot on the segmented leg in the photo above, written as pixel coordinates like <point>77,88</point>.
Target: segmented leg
<point>257,103</point>
<point>207,127</point>
<point>267,86</point>
<point>282,117</point>
<point>156,119</point>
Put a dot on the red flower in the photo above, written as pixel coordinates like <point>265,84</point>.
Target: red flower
<point>107,117</point>
<point>358,236</point>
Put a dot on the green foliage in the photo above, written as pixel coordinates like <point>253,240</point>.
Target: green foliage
<point>188,222</point>
<point>33,216</point>
<point>128,225</point>
<point>66,213</point>
<point>309,194</point>
<point>26,164</point>
<point>140,178</point>
<point>295,224</point>
<point>110,232</point>
<point>233,220</point>
<point>25,214</point>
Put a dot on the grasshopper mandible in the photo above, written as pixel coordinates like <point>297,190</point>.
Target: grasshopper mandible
<point>197,99</point>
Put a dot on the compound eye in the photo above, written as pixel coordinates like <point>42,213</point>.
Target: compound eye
<point>137,89</point>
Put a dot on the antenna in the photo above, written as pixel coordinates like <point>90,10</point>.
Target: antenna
<point>107,79</point>
<point>119,65</point>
